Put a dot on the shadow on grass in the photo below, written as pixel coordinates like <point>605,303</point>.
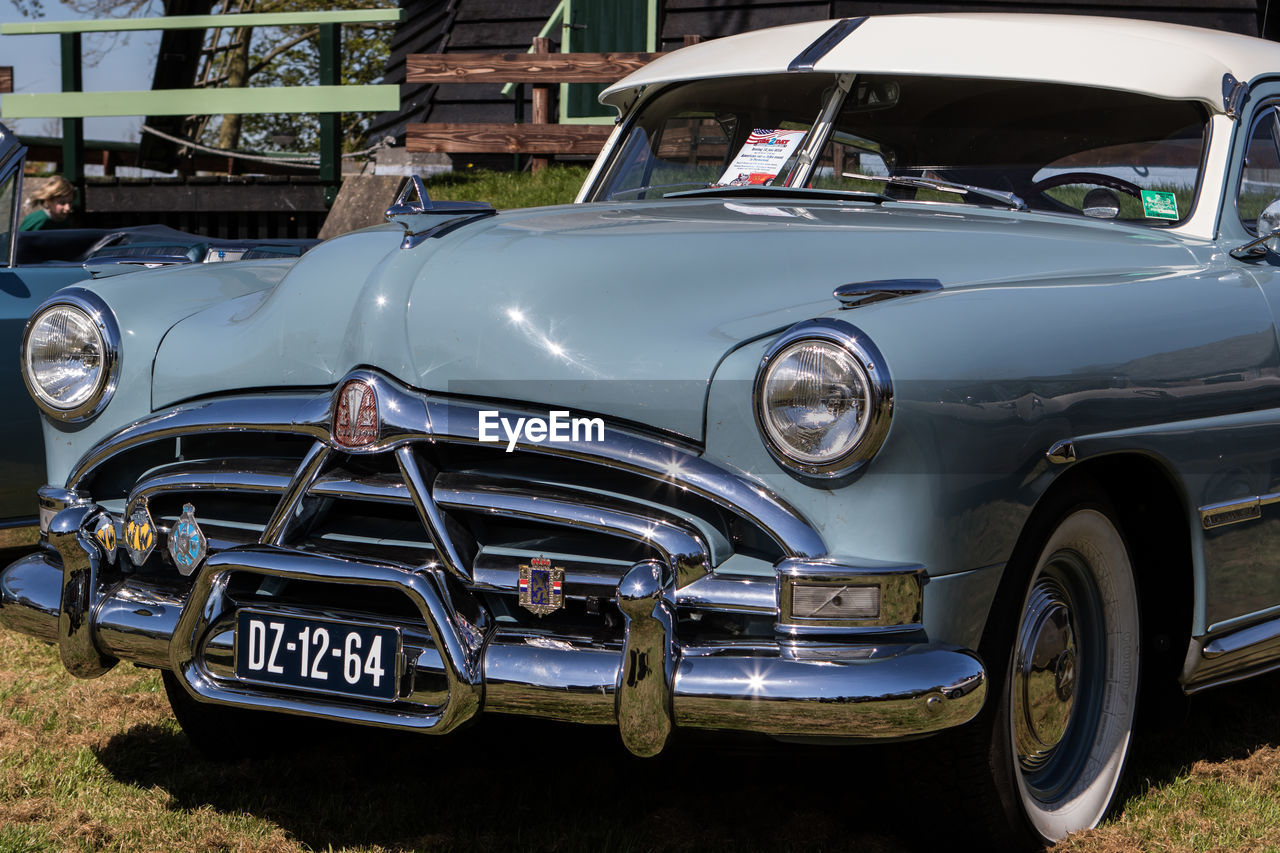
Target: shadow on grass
<point>507,783</point>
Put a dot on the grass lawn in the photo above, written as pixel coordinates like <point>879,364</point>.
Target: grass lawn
<point>100,765</point>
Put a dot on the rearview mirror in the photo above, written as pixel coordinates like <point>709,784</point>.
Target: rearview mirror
<point>1268,232</point>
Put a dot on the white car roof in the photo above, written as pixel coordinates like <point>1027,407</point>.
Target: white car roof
<point>1163,60</point>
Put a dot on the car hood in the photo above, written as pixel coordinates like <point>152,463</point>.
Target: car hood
<point>622,310</point>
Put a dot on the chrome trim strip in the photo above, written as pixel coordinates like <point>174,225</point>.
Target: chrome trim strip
<point>1061,452</point>
<point>825,43</point>
<point>1234,512</point>
<point>1245,652</point>
<point>291,502</point>
<point>188,477</point>
<point>1238,641</point>
<point>870,292</point>
<point>444,537</point>
<point>684,549</point>
<point>455,421</point>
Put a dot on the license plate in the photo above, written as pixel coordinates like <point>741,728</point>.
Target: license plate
<point>346,658</point>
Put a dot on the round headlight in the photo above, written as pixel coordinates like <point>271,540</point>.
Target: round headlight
<point>70,355</point>
<point>823,399</point>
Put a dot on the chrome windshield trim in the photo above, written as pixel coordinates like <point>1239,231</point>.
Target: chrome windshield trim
<point>825,43</point>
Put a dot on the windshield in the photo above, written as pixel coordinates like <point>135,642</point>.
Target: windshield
<point>1068,149</point>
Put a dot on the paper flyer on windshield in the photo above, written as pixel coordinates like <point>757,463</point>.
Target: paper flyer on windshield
<point>761,158</point>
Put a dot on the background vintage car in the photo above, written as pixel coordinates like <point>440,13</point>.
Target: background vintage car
<point>35,265</point>
<point>961,424</point>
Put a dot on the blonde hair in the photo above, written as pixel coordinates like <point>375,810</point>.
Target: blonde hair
<point>55,188</point>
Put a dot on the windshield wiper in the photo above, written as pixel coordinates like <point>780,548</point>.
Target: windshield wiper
<point>940,185</point>
<point>783,192</point>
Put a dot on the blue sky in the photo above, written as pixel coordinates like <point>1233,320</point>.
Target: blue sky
<point>125,64</point>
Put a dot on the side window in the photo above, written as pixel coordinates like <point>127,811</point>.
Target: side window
<point>8,215</point>
<point>1260,179</point>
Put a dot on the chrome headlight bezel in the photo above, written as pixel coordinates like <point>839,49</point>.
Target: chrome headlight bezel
<point>103,322</point>
<point>879,398</point>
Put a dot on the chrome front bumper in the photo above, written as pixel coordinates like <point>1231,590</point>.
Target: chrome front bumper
<point>462,663</point>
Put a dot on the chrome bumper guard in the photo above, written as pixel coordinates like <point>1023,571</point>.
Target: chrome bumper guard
<point>464,663</point>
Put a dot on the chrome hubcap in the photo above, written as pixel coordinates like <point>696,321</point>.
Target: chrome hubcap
<point>1044,674</point>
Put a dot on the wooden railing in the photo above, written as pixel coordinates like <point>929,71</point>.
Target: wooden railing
<point>541,68</point>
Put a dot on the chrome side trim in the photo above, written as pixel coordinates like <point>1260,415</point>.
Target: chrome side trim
<point>1240,654</point>
<point>1234,512</point>
<point>646,677</point>
<point>682,548</point>
<point>825,43</point>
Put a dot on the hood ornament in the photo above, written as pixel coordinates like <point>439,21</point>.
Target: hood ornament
<point>422,218</point>
<point>355,417</point>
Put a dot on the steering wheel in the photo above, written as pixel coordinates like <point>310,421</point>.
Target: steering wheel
<point>1085,178</point>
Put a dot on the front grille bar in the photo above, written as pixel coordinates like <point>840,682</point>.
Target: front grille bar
<point>449,421</point>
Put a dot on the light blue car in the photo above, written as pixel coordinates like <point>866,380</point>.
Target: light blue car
<point>892,377</point>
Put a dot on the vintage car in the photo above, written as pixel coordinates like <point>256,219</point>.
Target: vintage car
<point>891,377</point>
<point>35,264</point>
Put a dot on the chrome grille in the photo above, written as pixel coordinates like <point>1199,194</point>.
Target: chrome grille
<point>262,469</point>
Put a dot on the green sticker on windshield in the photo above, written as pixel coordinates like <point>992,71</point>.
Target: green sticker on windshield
<point>1159,205</point>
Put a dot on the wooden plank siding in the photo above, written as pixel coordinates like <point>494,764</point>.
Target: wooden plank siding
<point>487,138</point>
<point>524,67</point>
<point>6,78</point>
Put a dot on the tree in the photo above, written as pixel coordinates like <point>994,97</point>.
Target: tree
<point>289,56</point>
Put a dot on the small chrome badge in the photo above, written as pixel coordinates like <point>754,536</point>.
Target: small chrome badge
<point>541,586</point>
<point>105,532</point>
<point>139,532</point>
<point>187,543</point>
<point>355,416</point>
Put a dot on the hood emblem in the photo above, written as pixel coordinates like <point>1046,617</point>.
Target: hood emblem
<point>541,586</point>
<point>105,532</point>
<point>187,542</point>
<point>139,532</point>
<point>355,418</point>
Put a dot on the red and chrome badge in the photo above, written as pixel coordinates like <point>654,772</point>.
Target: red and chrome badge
<point>541,586</point>
<point>355,422</point>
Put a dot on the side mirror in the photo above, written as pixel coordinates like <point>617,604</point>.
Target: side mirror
<point>1268,233</point>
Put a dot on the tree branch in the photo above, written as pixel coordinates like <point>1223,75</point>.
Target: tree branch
<point>281,48</point>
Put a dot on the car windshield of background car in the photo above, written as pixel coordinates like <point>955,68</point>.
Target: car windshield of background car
<point>1068,149</point>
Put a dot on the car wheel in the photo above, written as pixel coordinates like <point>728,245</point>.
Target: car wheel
<point>1072,679</point>
<point>1045,758</point>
